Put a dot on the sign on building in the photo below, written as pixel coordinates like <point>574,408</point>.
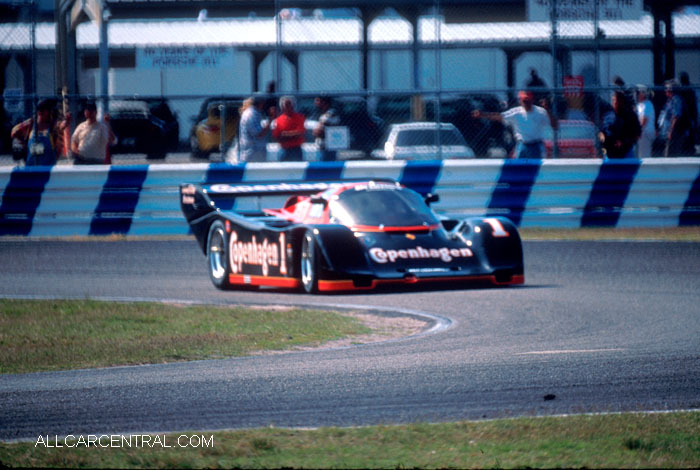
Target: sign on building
<point>584,10</point>
<point>155,57</point>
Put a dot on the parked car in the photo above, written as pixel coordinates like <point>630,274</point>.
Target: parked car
<point>577,139</point>
<point>364,127</point>
<point>160,108</point>
<point>486,137</point>
<point>205,135</point>
<point>144,126</point>
<point>421,141</point>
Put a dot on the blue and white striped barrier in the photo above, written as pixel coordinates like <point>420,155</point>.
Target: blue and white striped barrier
<point>143,199</point>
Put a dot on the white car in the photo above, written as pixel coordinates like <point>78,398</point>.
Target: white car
<point>421,141</point>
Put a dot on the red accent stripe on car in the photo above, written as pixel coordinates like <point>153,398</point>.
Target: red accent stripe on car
<point>248,280</point>
<point>347,284</point>
<point>410,228</point>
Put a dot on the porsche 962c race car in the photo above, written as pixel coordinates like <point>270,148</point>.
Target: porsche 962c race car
<point>344,235</point>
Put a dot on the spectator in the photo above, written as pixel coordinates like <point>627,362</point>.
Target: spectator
<point>674,125</point>
<point>647,121</point>
<point>289,130</point>
<point>530,124</point>
<point>691,105</point>
<point>537,86</point>
<point>620,85</point>
<point>620,129</point>
<point>43,136</point>
<point>271,102</point>
<point>253,130</point>
<point>91,138</point>
<point>329,117</point>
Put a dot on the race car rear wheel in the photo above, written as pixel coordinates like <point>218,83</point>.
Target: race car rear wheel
<point>309,263</point>
<point>217,255</point>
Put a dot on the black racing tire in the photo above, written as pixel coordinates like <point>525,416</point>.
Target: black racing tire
<point>309,261</point>
<point>217,255</point>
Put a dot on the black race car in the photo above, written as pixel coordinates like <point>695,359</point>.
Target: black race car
<point>338,236</point>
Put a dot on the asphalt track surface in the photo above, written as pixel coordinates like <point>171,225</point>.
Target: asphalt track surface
<point>598,327</point>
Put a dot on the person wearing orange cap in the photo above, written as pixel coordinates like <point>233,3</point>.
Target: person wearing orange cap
<point>530,124</point>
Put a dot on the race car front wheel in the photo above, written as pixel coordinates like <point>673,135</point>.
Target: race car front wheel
<point>309,263</point>
<point>216,255</point>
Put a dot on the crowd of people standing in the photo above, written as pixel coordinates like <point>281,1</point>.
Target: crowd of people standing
<point>629,126</point>
<point>633,128</point>
<point>45,138</point>
<point>286,126</point>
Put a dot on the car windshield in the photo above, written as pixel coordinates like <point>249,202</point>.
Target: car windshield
<point>375,207</point>
<point>417,137</point>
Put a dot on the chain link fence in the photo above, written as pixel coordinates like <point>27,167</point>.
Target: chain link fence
<point>176,85</point>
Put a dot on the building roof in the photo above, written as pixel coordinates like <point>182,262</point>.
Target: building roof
<point>311,32</point>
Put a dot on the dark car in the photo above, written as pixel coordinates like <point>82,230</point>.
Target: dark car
<point>160,109</point>
<point>364,128</point>
<point>488,138</point>
<point>343,235</point>
<point>144,126</point>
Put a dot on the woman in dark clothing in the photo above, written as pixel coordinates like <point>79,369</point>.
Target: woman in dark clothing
<point>620,129</point>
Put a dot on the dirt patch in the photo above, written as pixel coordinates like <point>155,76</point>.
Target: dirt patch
<point>383,328</point>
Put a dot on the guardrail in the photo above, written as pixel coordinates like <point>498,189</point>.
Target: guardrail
<point>143,199</point>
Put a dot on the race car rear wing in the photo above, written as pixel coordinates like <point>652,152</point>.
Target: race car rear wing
<point>197,200</point>
<point>300,188</point>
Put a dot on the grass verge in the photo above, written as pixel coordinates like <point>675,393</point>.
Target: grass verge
<point>686,234</point>
<point>666,440</point>
<point>43,335</point>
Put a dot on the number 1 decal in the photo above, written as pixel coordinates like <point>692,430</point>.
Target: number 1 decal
<point>498,230</point>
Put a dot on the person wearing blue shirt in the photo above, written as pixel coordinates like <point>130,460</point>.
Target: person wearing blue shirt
<point>253,130</point>
<point>673,121</point>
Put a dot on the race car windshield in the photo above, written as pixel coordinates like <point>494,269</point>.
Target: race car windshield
<point>397,208</point>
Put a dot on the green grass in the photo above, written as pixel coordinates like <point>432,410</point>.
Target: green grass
<point>668,440</point>
<point>62,334</point>
<point>686,234</point>
<point>43,335</point>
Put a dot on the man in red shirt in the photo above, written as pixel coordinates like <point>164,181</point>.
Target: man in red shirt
<point>289,131</point>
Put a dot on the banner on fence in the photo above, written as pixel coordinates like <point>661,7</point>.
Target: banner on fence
<point>584,10</point>
<point>215,57</point>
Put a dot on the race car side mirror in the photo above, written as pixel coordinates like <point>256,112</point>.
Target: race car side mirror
<point>430,198</point>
